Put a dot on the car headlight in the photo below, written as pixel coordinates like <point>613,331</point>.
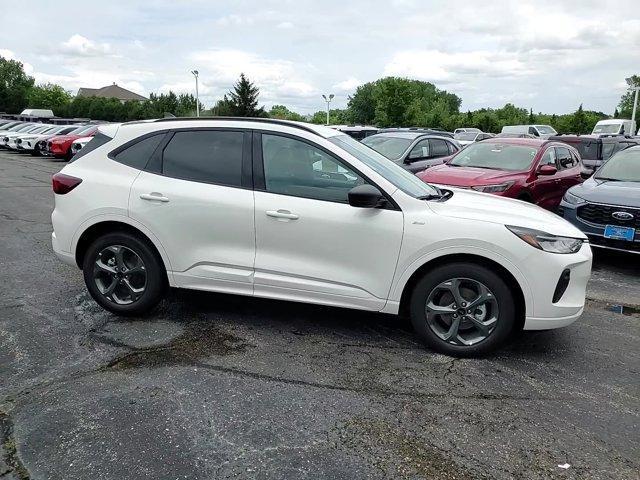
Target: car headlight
<point>497,188</point>
<point>547,242</point>
<point>572,199</point>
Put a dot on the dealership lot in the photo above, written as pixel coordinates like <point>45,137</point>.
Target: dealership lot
<point>215,386</point>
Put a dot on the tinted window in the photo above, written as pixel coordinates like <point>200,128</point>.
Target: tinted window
<point>205,156</point>
<point>98,140</point>
<point>138,154</point>
<point>564,158</point>
<point>295,168</point>
<point>438,148</point>
<point>421,150</point>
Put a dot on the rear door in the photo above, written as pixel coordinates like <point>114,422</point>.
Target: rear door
<point>196,197</point>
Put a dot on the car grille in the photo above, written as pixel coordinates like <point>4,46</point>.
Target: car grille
<point>602,215</point>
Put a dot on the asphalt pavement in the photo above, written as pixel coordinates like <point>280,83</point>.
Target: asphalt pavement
<point>218,386</point>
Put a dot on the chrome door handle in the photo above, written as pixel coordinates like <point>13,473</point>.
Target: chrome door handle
<point>282,214</point>
<point>154,197</point>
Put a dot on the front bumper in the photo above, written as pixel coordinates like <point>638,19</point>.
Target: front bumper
<point>595,232</point>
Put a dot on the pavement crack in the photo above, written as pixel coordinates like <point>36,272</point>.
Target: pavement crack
<point>10,450</point>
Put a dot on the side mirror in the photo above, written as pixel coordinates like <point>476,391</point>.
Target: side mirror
<point>586,173</point>
<point>365,196</point>
<point>547,170</point>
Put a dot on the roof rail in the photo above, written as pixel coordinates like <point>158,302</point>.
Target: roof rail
<point>275,121</point>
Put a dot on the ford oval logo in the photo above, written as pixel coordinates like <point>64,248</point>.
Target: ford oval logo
<point>624,216</point>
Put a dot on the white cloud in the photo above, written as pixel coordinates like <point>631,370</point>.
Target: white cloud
<point>8,54</point>
<point>234,20</point>
<point>285,25</point>
<point>349,85</point>
<point>77,45</point>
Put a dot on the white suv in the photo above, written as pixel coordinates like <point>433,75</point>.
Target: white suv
<point>305,213</point>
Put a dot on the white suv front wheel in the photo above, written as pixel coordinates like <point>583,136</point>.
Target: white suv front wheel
<point>462,309</point>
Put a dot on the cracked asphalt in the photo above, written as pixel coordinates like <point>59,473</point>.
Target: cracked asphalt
<point>214,386</point>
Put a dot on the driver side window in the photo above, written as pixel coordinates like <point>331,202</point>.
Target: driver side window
<point>298,169</point>
<point>549,157</point>
<point>421,150</point>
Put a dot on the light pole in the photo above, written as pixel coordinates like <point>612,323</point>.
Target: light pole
<point>635,105</point>
<point>328,100</point>
<point>195,74</point>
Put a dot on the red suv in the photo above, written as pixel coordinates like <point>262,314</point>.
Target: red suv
<point>535,170</point>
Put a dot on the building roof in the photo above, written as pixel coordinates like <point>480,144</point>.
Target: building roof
<point>110,91</point>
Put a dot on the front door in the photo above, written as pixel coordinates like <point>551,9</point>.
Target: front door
<point>200,206</point>
<point>544,187</point>
<point>311,245</point>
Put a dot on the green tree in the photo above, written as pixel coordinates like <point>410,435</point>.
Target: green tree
<point>49,96</point>
<point>283,113</point>
<point>337,116</point>
<point>362,105</point>
<point>244,99</point>
<point>625,106</point>
<point>14,86</point>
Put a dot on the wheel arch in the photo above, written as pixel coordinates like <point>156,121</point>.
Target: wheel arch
<point>102,226</point>
<point>514,284</point>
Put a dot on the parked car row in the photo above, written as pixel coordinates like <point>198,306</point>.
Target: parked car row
<point>43,138</point>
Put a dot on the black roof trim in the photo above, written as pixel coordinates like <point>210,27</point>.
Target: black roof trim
<point>274,121</point>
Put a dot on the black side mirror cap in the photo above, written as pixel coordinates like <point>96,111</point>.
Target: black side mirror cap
<point>365,196</point>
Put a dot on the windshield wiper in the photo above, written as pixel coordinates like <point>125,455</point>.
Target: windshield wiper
<point>608,179</point>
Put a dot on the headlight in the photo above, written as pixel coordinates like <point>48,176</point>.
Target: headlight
<point>547,242</point>
<point>500,187</point>
<point>572,199</point>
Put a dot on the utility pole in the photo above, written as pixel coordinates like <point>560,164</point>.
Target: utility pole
<point>195,74</point>
<point>635,105</point>
<point>328,100</point>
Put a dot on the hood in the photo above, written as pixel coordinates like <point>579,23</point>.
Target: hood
<point>486,207</point>
<point>605,191</point>
<point>466,176</point>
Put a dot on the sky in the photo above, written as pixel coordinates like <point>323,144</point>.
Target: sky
<point>549,56</point>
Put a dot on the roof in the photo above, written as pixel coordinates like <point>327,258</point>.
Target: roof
<point>190,122</point>
<point>111,91</point>
<point>408,134</point>
<point>613,121</point>
<point>528,142</point>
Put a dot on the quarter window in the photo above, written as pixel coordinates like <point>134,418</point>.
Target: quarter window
<point>205,156</point>
<point>293,167</point>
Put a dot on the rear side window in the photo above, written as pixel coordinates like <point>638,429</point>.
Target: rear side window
<point>438,148</point>
<point>138,154</point>
<point>205,156</point>
<point>98,140</point>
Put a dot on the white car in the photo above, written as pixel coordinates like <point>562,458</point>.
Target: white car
<point>6,137</point>
<point>465,130</point>
<point>303,212</point>
<point>79,144</point>
<point>28,141</point>
<point>467,138</point>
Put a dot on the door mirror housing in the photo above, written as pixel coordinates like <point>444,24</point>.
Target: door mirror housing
<point>547,170</point>
<point>365,196</point>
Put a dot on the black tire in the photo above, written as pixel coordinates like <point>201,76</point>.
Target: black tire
<point>503,296</point>
<point>156,280</point>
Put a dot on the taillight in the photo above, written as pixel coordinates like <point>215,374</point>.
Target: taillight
<point>64,183</point>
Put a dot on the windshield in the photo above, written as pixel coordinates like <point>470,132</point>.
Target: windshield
<point>466,136</point>
<point>623,167</point>
<point>545,130</point>
<point>395,174</point>
<point>495,156</point>
<point>390,147</point>
<point>607,128</point>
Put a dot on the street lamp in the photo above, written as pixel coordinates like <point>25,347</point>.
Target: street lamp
<point>195,74</point>
<point>635,100</point>
<point>328,100</point>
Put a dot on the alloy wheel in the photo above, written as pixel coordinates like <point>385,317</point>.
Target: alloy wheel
<point>120,274</point>
<point>462,311</point>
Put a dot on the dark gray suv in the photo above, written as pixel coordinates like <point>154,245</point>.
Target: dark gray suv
<point>607,206</point>
<point>413,150</point>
